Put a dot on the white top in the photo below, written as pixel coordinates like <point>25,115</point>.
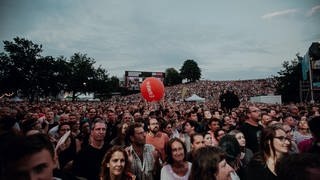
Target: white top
<point>168,174</point>
<point>298,137</point>
<point>234,176</point>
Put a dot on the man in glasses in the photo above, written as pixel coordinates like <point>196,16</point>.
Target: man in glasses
<point>251,128</point>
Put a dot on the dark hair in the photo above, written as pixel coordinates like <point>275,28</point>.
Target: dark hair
<point>206,163</point>
<point>230,145</point>
<point>314,126</point>
<point>266,139</point>
<point>62,124</point>
<point>216,133</point>
<point>105,172</point>
<point>214,119</point>
<point>194,135</point>
<point>28,124</point>
<point>119,128</point>
<point>169,149</point>
<point>192,124</point>
<point>131,128</point>
<point>121,138</point>
<point>83,121</point>
<point>20,147</point>
<point>298,166</point>
<point>164,124</point>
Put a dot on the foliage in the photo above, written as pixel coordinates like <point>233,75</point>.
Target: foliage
<point>102,85</point>
<point>82,72</point>
<point>20,65</point>
<point>172,77</point>
<point>25,72</point>
<point>288,81</point>
<point>190,71</point>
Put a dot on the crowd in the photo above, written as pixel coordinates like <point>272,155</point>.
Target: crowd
<point>129,138</point>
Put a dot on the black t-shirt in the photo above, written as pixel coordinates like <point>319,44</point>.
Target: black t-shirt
<point>252,135</point>
<point>257,170</point>
<point>88,162</point>
<point>68,154</point>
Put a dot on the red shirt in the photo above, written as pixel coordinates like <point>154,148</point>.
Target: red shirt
<point>158,141</point>
<point>304,146</point>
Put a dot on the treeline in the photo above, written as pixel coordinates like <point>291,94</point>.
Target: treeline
<point>28,74</point>
<point>24,72</point>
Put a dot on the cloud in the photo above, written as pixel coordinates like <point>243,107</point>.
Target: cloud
<point>313,10</point>
<point>279,13</point>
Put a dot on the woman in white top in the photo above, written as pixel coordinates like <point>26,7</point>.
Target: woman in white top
<point>302,133</point>
<point>177,167</point>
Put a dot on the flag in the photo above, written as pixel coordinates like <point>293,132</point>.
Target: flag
<point>184,91</point>
<point>305,64</point>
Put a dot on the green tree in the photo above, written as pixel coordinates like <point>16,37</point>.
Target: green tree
<point>288,81</point>
<point>6,86</point>
<point>61,73</point>
<point>24,71</point>
<point>19,66</point>
<point>101,84</point>
<point>172,77</point>
<point>46,83</point>
<point>190,71</point>
<point>115,83</point>
<point>82,72</point>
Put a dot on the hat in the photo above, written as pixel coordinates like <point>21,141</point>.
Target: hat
<point>83,121</point>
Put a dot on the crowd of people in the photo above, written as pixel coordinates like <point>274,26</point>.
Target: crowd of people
<point>129,138</point>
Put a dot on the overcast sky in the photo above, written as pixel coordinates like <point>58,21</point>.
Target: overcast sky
<point>229,39</point>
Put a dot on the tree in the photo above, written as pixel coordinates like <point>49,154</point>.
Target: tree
<point>82,72</point>
<point>61,73</point>
<point>19,66</point>
<point>101,84</point>
<point>115,83</point>
<point>46,84</point>
<point>288,81</point>
<point>172,77</point>
<point>190,71</point>
<point>6,85</point>
<point>28,74</point>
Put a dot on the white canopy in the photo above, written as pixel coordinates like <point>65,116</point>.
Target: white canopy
<point>196,98</point>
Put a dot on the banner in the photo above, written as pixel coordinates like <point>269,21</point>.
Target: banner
<point>305,64</point>
<point>184,91</point>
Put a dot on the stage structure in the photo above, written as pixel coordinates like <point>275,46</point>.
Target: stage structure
<point>310,84</point>
<point>133,79</point>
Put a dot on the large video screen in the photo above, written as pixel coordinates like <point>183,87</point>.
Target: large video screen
<point>133,79</point>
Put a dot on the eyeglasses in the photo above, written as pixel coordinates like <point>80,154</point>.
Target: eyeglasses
<point>283,138</point>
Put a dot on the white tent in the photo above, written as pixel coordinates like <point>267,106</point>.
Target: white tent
<point>196,98</point>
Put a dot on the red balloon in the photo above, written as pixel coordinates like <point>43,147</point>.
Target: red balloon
<point>152,89</point>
